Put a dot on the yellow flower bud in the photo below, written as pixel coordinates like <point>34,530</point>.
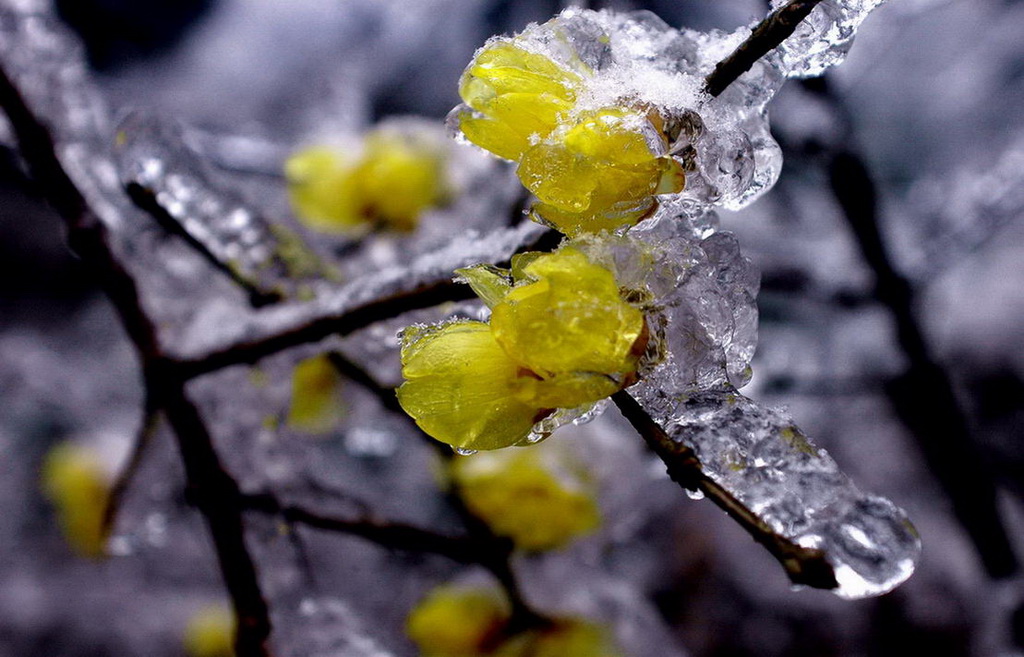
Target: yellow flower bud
<point>210,632</point>
<point>591,170</point>
<point>393,181</point>
<point>561,337</point>
<point>457,622</point>
<point>533,496</point>
<point>76,483</point>
<point>317,405</point>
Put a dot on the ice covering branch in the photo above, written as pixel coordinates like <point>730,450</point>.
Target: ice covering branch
<point>768,34</point>
<point>803,565</point>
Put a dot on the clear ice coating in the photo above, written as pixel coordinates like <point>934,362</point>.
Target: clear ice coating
<point>823,39</point>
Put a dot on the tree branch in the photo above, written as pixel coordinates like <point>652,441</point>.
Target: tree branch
<point>88,237</point>
<point>803,565</point>
<point>144,438</point>
<point>486,550</point>
<point>923,396</point>
<point>347,322</point>
<point>768,34</point>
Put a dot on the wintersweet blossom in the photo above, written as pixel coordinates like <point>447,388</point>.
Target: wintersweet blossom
<point>560,336</point>
<point>591,168</point>
<point>536,497</point>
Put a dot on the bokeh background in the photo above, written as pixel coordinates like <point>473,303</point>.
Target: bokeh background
<point>930,102</point>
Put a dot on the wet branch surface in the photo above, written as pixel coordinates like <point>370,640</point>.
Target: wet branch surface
<point>803,565</point>
<point>215,492</point>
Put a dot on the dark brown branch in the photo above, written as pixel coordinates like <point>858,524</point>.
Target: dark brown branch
<point>768,34</point>
<point>486,549</point>
<point>88,237</point>
<point>143,439</point>
<point>803,565</point>
<point>317,329</point>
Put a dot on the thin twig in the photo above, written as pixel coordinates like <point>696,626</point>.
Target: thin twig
<point>342,324</point>
<point>143,439</point>
<point>486,550</point>
<point>803,565</point>
<point>768,34</point>
<point>497,561</point>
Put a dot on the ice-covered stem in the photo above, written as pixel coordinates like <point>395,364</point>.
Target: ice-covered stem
<point>146,200</point>
<point>803,565</point>
<point>923,395</point>
<point>484,549</point>
<point>768,34</point>
<point>428,295</point>
<point>213,487</point>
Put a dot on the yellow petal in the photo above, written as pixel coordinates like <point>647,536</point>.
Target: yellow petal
<point>455,622</point>
<point>316,406</point>
<point>78,487</point>
<point>321,190</point>
<point>458,387</point>
<point>571,318</point>
<point>490,283</point>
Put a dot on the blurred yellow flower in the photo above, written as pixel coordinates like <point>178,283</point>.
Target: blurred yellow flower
<point>457,622</point>
<point>210,632</point>
<point>533,496</point>
<point>389,185</point>
<point>316,405</point>
<point>566,638</point>
<point>78,487</point>
<point>560,336</point>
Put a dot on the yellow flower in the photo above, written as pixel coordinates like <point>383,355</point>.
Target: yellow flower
<point>457,622</point>
<point>393,181</point>
<point>317,405</point>
<point>566,638</point>
<point>76,483</point>
<point>210,632</point>
<point>531,496</point>
<point>590,169</point>
<point>560,337</point>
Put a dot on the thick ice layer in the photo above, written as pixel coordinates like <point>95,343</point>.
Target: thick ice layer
<point>823,39</point>
<point>759,456</point>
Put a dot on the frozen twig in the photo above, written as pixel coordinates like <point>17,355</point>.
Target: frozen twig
<point>428,295</point>
<point>806,566</point>
<point>768,34</point>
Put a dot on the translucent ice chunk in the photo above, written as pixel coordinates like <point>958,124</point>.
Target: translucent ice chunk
<point>759,456</point>
<point>822,40</point>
